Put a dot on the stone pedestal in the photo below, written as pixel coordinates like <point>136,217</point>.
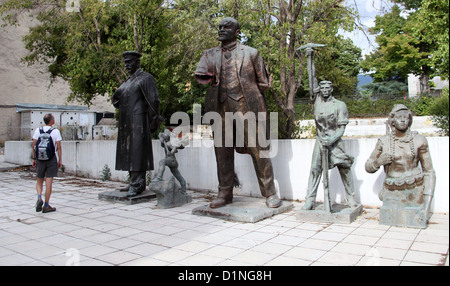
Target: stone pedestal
<point>340,214</point>
<point>243,209</point>
<point>121,197</point>
<point>404,217</point>
<point>169,194</point>
<point>403,208</point>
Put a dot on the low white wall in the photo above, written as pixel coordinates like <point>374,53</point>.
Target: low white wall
<point>291,166</point>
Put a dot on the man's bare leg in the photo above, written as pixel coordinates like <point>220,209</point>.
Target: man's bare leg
<point>48,192</point>
<point>39,187</point>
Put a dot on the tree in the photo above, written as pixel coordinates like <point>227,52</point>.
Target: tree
<point>84,47</point>
<point>386,89</point>
<point>431,24</point>
<point>399,52</point>
<point>277,29</point>
<point>412,41</point>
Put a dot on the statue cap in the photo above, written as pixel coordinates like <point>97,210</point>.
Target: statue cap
<point>131,54</point>
<point>325,82</point>
<point>399,107</point>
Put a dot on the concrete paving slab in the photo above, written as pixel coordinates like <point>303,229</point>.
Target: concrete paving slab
<point>87,231</point>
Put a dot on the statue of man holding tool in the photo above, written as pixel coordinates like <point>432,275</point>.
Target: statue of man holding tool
<point>331,118</point>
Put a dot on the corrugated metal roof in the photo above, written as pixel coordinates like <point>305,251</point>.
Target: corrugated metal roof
<point>37,106</point>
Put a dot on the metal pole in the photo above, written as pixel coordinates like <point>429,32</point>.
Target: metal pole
<point>325,178</point>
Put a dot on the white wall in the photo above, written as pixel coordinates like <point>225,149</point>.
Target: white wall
<point>291,166</point>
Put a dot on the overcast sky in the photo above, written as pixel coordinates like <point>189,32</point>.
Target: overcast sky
<point>367,9</point>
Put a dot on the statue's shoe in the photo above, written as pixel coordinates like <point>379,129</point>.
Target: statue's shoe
<point>273,201</point>
<point>220,202</point>
<point>309,205</point>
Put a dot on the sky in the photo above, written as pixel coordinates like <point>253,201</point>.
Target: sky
<point>367,9</point>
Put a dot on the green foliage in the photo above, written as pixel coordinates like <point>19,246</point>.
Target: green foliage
<point>304,111</point>
<point>307,131</point>
<point>399,52</point>
<point>278,29</point>
<point>412,41</point>
<point>385,89</point>
<point>431,25</point>
<point>421,105</point>
<point>148,177</point>
<point>440,112</point>
<point>85,47</point>
<point>106,173</point>
<point>367,107</point>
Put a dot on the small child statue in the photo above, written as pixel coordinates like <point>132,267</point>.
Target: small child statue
<point>170,148</point>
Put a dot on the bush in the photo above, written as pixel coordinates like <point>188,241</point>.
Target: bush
<point>366,107</point>
<point>436,107</point>
<point>439,111</point>
<point>106,173</point>
<point>421,105</point>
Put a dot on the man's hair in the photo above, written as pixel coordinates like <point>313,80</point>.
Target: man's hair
<point>48,118</point>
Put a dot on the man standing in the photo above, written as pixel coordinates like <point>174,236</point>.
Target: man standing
<point>138,102</point>
<point>44,141</point>
<point>238,77</point>
<point>331,117</point>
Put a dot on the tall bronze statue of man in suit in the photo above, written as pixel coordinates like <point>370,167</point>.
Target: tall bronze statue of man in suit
<point>238,78</point>
<point>138,102</point>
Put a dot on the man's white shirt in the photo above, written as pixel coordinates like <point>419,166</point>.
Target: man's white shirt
<point>56,135</point>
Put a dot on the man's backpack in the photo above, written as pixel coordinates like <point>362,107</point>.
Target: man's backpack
<point>45,149</point>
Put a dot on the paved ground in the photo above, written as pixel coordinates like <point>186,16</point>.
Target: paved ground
<point>87,231</point>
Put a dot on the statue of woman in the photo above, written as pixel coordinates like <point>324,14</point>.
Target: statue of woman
<point>410,178</point>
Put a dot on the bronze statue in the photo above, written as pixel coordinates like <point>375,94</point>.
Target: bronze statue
<point>331,118</point>
<point>238,78</point>
<point>410,178</point>
<point>138,103</point>
<point>169,194</point>
<point>170,160</point>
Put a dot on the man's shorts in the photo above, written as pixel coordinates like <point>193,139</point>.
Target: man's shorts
<point>47,169</point>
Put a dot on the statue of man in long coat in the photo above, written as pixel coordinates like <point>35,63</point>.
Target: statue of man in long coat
<point>138,102</point>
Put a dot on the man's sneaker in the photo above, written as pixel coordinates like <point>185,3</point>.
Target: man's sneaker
<point>48,209</point>
<point>39,204</point>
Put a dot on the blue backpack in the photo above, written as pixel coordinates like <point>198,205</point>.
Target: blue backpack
<point>45,149</point>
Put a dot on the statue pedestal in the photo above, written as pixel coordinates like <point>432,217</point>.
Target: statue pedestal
<point>121,197</point>
<point>340,214</point>
<point>404,217</point>
<point>403,208</point>
<point>169,194</point>
<point>243,209</point>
